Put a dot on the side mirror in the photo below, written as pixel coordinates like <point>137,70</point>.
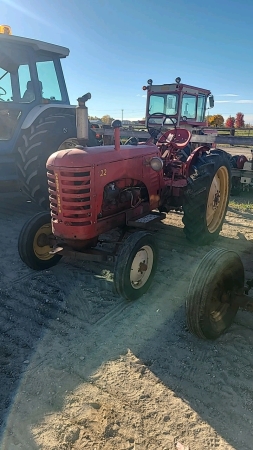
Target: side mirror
<point>211,101</point>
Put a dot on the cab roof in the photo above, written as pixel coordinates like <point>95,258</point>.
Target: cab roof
<point>173,87</point>
<point>62,52</point>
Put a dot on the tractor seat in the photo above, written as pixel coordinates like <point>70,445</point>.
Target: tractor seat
<point>178,138</point>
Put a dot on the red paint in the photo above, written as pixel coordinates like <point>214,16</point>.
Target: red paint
<point>117,138</point>
<point>80,177</point>
<point>193,157</point>
<point>180,138</point>
<point>240,161</point>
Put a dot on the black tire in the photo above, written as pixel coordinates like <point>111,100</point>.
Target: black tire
<point>236,186</point>
<point>219,273</point>
<point>200,226</point>
<point>36,144</point>
<point>123,267</point>
<point>34,256</point>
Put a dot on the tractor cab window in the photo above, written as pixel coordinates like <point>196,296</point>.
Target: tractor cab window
<point>5,86</point>
<point>201,108</point>
<point>26,88</point>
<point>164,104</point>
<point>48,80</point>
<point>189,106</point>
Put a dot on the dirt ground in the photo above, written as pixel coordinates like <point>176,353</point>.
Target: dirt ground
<point>233,150</point>
<point>80,368</point>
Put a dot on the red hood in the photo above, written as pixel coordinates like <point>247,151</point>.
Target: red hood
<point>96,155</point>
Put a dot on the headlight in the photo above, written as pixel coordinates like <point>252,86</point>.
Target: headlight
<point>156,163</point>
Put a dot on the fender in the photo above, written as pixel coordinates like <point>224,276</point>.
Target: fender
<point>38,110</point>
<point>193,156</point>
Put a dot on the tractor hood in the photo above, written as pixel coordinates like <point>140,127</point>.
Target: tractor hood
<point>90,156</point>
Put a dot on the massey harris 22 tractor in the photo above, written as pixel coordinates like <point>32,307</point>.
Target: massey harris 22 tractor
<point>36,118</point>
<point>93,190</point>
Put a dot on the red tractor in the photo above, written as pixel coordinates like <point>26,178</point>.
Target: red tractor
<point>93,190</point>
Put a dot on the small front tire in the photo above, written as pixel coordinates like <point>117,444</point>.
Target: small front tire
<point>34,245</point>
<point>136,265</point>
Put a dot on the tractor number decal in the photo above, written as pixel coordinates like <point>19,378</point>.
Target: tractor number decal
<point>58,192</point>
<point>103,172</point>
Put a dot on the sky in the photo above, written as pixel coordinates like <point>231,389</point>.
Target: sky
<point>117,45</point>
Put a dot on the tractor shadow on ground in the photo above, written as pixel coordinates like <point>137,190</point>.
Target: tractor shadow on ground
<point>171,236</point>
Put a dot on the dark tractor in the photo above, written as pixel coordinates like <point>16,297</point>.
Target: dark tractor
<point>36,118</point>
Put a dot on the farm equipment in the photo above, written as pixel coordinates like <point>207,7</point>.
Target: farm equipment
<point>197,178</point>
<point>216,292</point>
<point>36,118</point>
<point>93,190</point>
<point>242,173</point>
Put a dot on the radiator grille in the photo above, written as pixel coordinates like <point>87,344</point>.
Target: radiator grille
<point>70,196</point>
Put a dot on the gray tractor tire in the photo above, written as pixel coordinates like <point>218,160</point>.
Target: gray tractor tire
<point>36,144</point>
<point>211,304</point>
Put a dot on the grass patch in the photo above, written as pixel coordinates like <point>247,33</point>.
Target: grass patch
<point>238,132</point>
<point>242,204</point>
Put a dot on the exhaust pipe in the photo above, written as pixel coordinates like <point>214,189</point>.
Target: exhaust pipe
<point>116,124</point>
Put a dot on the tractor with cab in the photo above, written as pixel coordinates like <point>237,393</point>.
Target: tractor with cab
<point>36,117</point>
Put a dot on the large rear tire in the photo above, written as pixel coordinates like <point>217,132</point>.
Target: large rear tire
<point>33,244</point>
<point>136,265</point>
<point>37,143</point>
<point>206,199</point>
<point>210,305</point>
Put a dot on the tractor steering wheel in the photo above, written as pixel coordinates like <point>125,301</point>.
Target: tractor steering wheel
<point>4,93</point>
<point>153,131</point>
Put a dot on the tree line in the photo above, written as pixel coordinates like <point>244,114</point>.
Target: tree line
<point>217,120</point>
<point>107,120</point>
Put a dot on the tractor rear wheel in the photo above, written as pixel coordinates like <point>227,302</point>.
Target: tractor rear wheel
<point>206,199</point>
<point>34,245</point>
<point>210,305</point>
<point>136,265</point>
<point>37,143</point>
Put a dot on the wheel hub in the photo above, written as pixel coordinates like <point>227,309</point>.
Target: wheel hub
<point>217,199</point>
<point>141,267</point>
<point>42,240</point>
<point>41,245</point>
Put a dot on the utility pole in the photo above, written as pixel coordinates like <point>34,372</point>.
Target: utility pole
<point>122,115</point>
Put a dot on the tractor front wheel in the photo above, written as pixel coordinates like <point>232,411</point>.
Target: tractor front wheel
<point>206,199</point>
<point>34,244</point>
<point>136,265</point>
<point>211,302</point>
